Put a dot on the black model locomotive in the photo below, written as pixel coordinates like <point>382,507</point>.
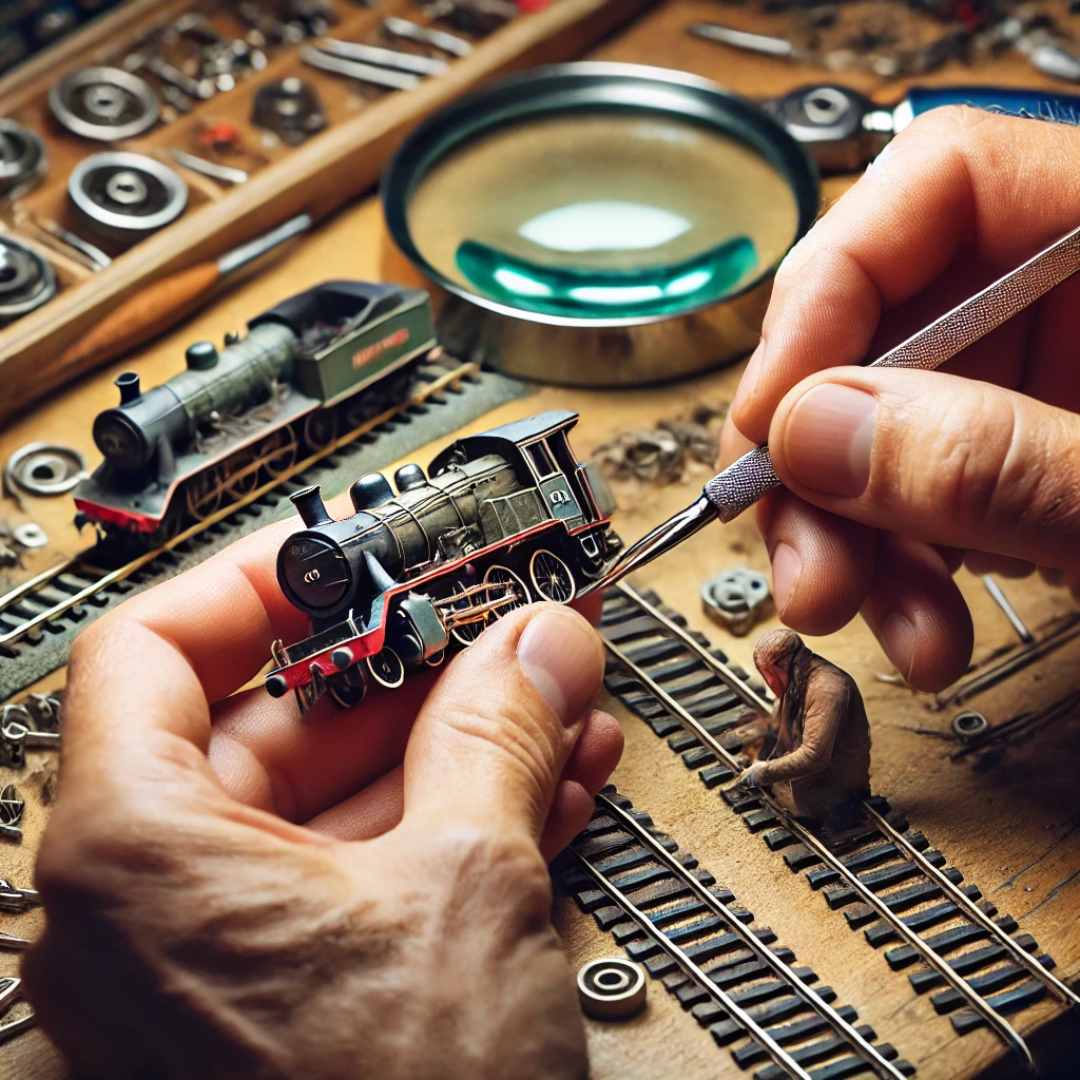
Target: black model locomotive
<point>502,519</point>
<point>246,414</point>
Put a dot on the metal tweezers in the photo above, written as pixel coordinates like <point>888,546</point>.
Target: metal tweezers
<point>745,481</point>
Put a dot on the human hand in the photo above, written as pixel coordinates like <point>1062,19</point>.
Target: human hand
<point>895,477</point>
<point>751,776</point>
<point>232,891</point>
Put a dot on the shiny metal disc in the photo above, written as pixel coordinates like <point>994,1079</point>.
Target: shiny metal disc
<point>22,159</point>
<point>104,103</point>
<point>26,280</point>
<point>125,197</point>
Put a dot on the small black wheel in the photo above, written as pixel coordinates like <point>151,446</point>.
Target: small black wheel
<point>387,669</point>
<point>551,577</point>
<point>436,659</point>
<point>516,592</point>
<point>320,429</point>
<point>349,688</point>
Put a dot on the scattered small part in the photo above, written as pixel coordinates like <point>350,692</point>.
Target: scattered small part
<point>646,455</point>
<point>10,993</point>
<point>30,535</point>
<point>612,989</point>
<point>41,468</point>
<point>45,710</point>
<point>480,17</point>
<point>225,173</point>
<point>219,135</point>
<point>124,197</point>
<point>14,944</point>
<point>1049,56</point>
<point>197,89</point>
<point>1002,601</point>
<point>98,259</point>
<point>353,69</point>
<point>16,901</point>
<point>26,280</point>
<point>104,103</point>
<point>736,599</point>
<point>765,44</point>
<point>23,160</point>
<point>437,39</point>
<point>11,805</point>
<point>969,725</point>
<point>388,58</point>
<point>290,108</point>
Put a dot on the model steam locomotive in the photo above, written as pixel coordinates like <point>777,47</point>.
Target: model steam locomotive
<point>502,519</point>
<point>248,413</point>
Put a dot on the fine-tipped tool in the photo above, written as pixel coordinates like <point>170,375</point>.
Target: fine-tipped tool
<point>745,481</point>
<point>162,304</point>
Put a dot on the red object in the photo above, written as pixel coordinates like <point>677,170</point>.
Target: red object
<point>219,134</point>
<point>529,6</point>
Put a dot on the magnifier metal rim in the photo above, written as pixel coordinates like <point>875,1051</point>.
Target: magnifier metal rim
<point>134,84</point>
<point>175,188</point>
<point>590,87</point>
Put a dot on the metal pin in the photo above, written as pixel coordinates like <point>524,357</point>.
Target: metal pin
<point>392,80</point>
<point>388,58</point>
<point>13,943</point>
<point>438,39</point>
<point>30,739</point>
<point>98,257</point>
<point>226,173</point>
<point>1002,601</point>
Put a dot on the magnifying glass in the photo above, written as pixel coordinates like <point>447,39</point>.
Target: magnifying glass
<point>600,224</point>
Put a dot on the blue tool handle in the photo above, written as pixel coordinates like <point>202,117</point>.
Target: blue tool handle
<point>1045,105</point>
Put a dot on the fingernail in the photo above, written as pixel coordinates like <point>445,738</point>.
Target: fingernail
<point>898,637</point>
<point>749,380</point>
<point>558,651</point>
<point>828,439</point>
<point>786,568</point>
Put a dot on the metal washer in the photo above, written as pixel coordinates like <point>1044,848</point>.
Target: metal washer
<point>41,468</point>
<point>612,989</point>
<point>23,160</point>
<point>104,104</point>
<point>125,197</point>
<point>26,280</point>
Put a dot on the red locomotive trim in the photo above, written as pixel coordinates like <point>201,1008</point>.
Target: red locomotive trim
<point>125,519</point>
<point>365,356</point>
<point>371,641</point>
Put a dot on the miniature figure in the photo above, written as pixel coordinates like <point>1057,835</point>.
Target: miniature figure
<point>501,519</point>
<point>822,735</point>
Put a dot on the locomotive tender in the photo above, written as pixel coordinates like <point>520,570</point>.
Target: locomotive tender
<point>502,519</point>
<point>246,414</point>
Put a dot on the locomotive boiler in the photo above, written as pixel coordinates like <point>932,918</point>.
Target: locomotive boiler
<point>247,413</point>
<point>501,519</point>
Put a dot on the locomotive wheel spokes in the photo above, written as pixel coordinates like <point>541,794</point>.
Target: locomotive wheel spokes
<point>515,595</point>
<point>387,669</point>
<point>551,577</point>
<point>320,428</point>
<point>348,688</point>
<point>278,452</point>
<point>204,493</point>
<point>468,631</point>
<point>242,476</point>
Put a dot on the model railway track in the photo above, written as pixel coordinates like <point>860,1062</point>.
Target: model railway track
<point>888,881</point>
<point>55,601</point>
<point>728,972</point>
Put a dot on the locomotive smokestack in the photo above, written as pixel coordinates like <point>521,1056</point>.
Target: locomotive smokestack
<point>128,385</point>
<point>311,507</point>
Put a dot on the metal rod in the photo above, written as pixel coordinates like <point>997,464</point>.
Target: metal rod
<point>240,256</point>
<point>1002,601</point>
<point>782,1058</point>
<point>866,1049</point>
<point>226,173</point>
<point>353,69</point>
<point>388,58</point>
<point>439,39</point>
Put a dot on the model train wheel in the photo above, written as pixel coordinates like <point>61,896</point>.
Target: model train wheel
<point>279,452</point>
<point>516,593</point>
<point>204,493</point>
<point>551,577</point>
<point>348,689</point>
<point>320,429</point>
<point>386,669</point>
<point>436,659</point>
<point>467,632</point>
<point>243,474</point>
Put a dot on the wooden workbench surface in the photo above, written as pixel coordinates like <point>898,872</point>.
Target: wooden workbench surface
<point>1012,827</point>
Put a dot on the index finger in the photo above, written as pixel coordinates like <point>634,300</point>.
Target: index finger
<point>958,178</point>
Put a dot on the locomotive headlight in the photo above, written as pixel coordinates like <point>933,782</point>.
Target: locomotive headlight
<point>314,573</point>
<point>121,440</point>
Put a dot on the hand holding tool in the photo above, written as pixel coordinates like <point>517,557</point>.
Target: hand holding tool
<point>745,481</point>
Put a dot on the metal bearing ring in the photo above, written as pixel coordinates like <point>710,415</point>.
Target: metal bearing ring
<point>125,197</point>
<point>104,103</point>
<point>613,989</point>
<point>23,160</point>
<point>44,469</point>
<point>737,599</point>
<point>26,280</point>
<point>969,725</point>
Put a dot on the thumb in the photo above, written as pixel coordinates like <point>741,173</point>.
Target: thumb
<point>937,458</point>
<point>493,736</point>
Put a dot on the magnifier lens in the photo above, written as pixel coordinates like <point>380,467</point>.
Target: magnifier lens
<point>603,215</point>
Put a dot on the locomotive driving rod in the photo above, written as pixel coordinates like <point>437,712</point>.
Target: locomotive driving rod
<point>745,481</point>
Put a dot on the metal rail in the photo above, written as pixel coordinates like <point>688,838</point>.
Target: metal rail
<point>862,1046</point>
<point>975,1001</point>
<point>28,588</point>
<point>782,1058</point>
